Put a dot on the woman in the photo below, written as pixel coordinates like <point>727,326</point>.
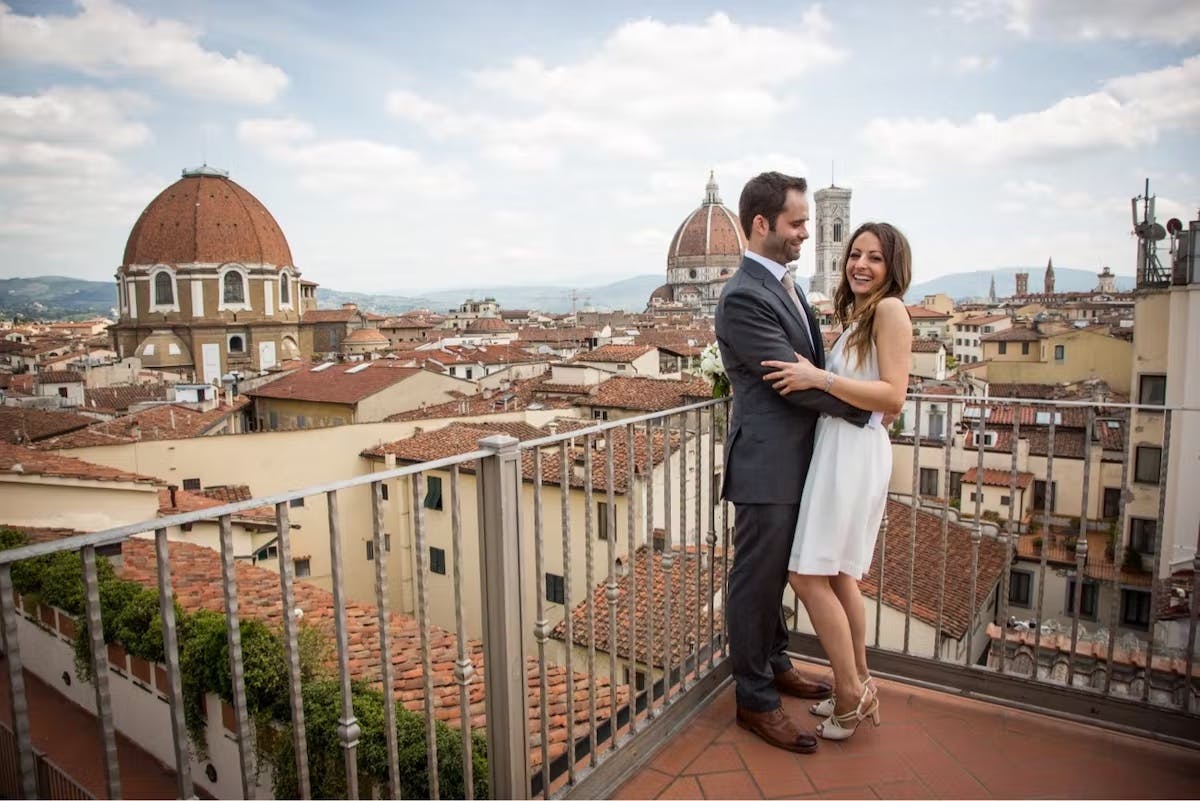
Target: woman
<point>844,496</point>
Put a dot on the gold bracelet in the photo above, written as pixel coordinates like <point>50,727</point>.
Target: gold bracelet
<point>828,380</point>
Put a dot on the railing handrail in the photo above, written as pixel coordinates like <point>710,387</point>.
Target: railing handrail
<point>111,536</point>
<point>987,399</point>
<point>624,422</point>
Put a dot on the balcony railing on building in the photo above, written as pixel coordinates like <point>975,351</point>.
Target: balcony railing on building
<point>594,572</point>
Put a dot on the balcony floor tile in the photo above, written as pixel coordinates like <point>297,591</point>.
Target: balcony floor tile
<point>930,745</point>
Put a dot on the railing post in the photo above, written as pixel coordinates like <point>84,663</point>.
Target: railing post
<point>501,558</point>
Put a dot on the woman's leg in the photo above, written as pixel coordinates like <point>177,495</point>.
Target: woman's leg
<point>829,619</point>
<point>847,592</point>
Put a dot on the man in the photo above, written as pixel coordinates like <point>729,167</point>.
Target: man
<point>761,316</point>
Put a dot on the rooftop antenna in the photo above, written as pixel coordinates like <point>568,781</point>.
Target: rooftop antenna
<point>1149,233</point>
<point>832,174</point>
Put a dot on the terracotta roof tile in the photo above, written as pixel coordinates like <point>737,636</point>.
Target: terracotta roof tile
<point>482,354</point>
<point>614,354</point>
<point>520,395</point>
<point>996,478</point>
<point>646,394</point>
<point>119,399</point>
<point>58,377</point>
<point>923,313</point>
<point>1014,334</point>
<point>346,383</point>
<point>169,421</point>
<point>196,579</point>
<point>18,424</point>
<point>452,440</point>
<point>927,570</point>
<point>926,345</point>
<point>649,610</point>
<point>18,460</point>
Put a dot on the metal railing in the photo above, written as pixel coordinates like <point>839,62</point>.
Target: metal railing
<point>525,758</point>
<point>50,780</point>
<point>639,625</point>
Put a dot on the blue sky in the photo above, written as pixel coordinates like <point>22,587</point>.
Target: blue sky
<point>409,146</point>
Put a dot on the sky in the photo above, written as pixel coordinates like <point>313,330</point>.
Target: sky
<point>410,146</point>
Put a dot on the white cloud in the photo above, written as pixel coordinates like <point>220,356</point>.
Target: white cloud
<point>107,38</point>
<point>1125,112</point>
<point>646,82</point>
<point>965,65</point>
<point>362,171</point>
<point>79,115</point>
<point>1171,21</point>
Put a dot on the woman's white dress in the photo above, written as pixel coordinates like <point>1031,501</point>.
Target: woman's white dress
<point>846,490</point>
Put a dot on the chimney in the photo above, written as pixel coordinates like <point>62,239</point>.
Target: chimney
<point>172,488</point>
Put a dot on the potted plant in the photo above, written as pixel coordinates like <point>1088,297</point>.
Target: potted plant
<point>1110,548</point>
<point>1132,561</point>
<point>1037,544</point>
<point>1071,543</point>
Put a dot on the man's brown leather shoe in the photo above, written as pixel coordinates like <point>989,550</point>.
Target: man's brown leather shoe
<point>777,729</point>
<point>793,682</point>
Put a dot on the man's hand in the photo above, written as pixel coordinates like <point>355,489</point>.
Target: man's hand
<point>888,419</point>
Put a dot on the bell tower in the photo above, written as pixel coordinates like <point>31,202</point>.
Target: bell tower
<point>831,229</point>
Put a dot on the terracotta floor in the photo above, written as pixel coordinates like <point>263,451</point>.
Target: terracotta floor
<point>70,736</point>
<point>930,745</point>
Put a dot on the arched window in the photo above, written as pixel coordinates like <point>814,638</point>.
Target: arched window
<point>234,287</point>
<point>285,289</point>
<point>237,344</point>
<point>837,231</point>
<point>164,290</point>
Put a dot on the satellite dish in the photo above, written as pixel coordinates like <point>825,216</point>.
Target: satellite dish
<point>1149,230</point>
<point>1174,226</point>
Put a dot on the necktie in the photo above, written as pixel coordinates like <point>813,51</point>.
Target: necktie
<point>789,284</point>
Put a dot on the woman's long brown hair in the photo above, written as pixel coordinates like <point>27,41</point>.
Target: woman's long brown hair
<point>898,258</point>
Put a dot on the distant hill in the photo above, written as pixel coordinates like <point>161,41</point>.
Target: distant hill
<point>962,286</point>
<point>57,297</point>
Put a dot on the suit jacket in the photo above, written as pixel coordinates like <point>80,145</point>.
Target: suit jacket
<point>770,440</point>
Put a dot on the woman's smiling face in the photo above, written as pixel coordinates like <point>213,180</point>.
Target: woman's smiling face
<point>866,269</point>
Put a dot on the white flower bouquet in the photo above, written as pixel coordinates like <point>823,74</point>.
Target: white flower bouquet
<point>712,369</point>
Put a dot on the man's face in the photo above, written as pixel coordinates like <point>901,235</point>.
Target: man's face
<point>782,242</point>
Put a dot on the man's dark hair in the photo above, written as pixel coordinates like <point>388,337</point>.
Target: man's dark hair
<point>766,194</point>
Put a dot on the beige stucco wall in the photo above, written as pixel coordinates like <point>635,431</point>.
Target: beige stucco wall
<point>48,502</point>
<point>1087,355</point>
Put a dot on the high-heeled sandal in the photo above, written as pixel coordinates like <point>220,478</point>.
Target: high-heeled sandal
<point>842,727</point>
<point>825,708</point>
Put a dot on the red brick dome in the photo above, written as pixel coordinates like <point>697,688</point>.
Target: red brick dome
<point>710,230</point>
<point>206,217</point>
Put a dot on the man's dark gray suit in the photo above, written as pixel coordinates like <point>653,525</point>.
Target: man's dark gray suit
<point>767,455</point>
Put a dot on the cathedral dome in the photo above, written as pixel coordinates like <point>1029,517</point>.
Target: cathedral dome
<point>709,231</point>
<point>206,217</point>
<point>487,325</point>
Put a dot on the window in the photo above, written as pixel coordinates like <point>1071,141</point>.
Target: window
<point>1135,608</point>
<point>837,232</point>
<point>62,392</point>
<point>1146,463</point>
<point>164,290</point>
<point>303,568</point>
<point>1111,507</point>
<point>1024,348</point>
<point>433,493</point>
<point>233,287</point>
<point>1141,534</point>
<point>383,491</point>
<point>1042,500</point>
<point>270,552</point>
<point>370,550</point>
<point>599,414</point>
<point>639,679</point>
<point>387,542</point>
<point>1003,348</point>
<point>929,481</point>
<point>1020,587</point>
<point>285,289</point>
<point>437,561</point>
<point>976,497</point>
<point>1004,500</point>
<point>1060,353</point>
<point>1087,602</point>
<point>191,484</point>
<point>237,344</point>
<point>956,479</point>
<point>555,591</point>
<point>296,503</point>
<point>1152,390</point>
<point>602,521</point>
